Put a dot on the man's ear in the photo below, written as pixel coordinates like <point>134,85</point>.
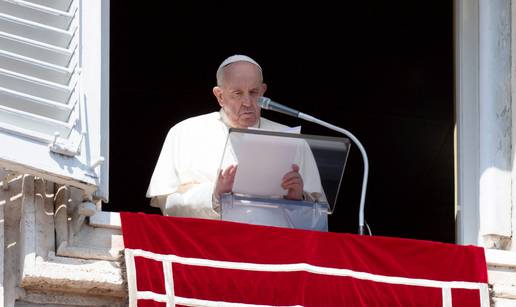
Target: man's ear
<point>264,88</point>
<point>217,91</point>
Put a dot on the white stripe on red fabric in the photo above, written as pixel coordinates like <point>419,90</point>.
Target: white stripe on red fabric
<point>447,297</point>
<point>484,294</point>
<point>205,303</point>
<point>169,283</point>
<point>131,277</point>
<point>149,295</point>
<point>184,301</point>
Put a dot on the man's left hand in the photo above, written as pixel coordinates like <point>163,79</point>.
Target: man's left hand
<point>293,182</point>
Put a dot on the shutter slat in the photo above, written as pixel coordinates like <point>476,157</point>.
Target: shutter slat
<point>36,50</point>
<point>37,13</point>
<point>35,31</point>
<point>37,105</point>
<point>35,68</point>
<point>33,122</point>
<point>32,135</point>
<point>35,87</point>
<point>61,5</point>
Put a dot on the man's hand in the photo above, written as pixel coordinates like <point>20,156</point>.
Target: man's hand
<point>225,181</point>
<point>293,182</point>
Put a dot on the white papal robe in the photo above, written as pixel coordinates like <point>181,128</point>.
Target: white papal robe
<point>192,154</point>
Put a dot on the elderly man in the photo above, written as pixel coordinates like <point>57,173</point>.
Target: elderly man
<point>186,180</point>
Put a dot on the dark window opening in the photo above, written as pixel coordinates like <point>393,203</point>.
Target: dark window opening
<point>382,70</point>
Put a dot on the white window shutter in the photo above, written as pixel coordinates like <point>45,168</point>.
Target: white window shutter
<point>54,90</point>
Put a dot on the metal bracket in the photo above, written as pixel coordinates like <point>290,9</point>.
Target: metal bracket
<point>66,148</point>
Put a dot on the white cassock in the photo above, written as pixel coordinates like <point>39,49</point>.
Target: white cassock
<point>192,154</point>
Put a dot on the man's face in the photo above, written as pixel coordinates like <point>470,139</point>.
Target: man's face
<point>239,92</point>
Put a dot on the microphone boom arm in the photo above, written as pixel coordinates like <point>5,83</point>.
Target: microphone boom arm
<point>361,219</point>
<point>268,104</point>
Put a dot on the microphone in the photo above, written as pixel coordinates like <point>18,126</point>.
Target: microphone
<point>268,104</point>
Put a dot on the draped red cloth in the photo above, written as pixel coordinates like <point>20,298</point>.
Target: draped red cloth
<point>224,262</point>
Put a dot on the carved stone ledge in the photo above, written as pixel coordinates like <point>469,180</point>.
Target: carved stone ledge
<point>74,275</point>
<point>501,266</point>
<point>31,298</point>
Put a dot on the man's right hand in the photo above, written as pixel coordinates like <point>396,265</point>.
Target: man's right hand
<point>225,181</point>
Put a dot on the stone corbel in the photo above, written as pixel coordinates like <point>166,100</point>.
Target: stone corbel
<point>41,268</point>
<point>78,239</point>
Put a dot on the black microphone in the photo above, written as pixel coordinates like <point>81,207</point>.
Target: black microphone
<point>268,104</point>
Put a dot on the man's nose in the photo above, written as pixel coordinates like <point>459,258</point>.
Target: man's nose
<point>247,100</point>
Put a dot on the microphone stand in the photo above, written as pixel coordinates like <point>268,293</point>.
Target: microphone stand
<point>268,104</point>
<point>361,219</point>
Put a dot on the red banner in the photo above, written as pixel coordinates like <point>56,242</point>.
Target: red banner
<point>193,262</point>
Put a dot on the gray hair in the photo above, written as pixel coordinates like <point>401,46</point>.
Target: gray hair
<point>230,60</point>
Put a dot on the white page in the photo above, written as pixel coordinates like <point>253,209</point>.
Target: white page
<point>263,160</point>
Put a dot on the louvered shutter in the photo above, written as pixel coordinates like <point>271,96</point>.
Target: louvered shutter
<point>54,70</point>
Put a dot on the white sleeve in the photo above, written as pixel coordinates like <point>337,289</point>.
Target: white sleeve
<point>164,178</point>
<point>196,202</point>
